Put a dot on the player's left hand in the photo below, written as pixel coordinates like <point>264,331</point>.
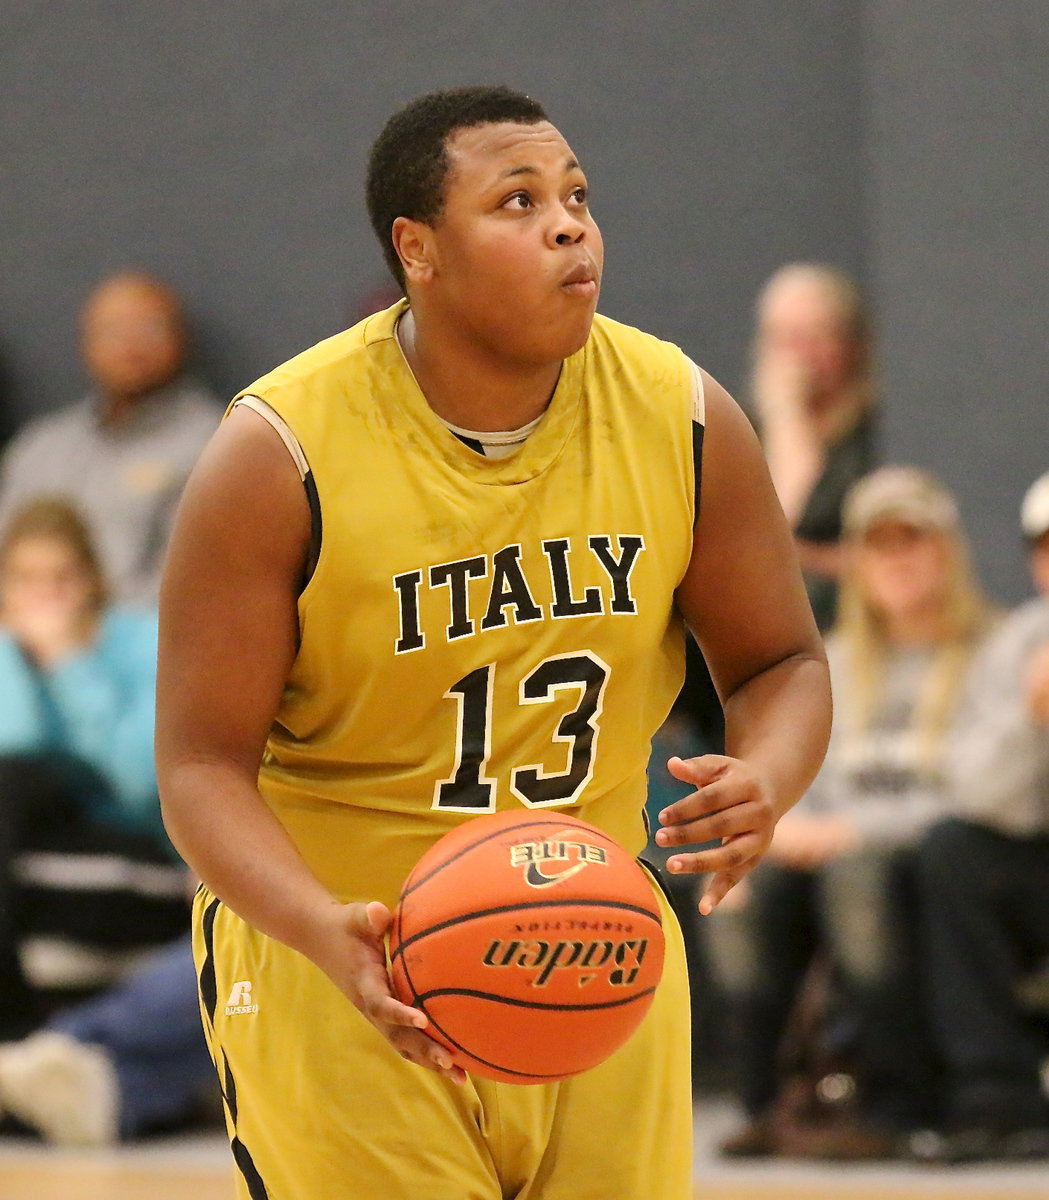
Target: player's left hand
<point>731,805</point>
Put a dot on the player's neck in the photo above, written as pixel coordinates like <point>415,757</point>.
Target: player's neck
<point>469,388</point>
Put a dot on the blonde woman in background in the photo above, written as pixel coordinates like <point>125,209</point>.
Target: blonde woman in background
<point>813,395</point>
<point>836,876</point>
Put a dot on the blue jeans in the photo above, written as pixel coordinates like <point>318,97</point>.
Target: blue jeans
<point>150,1026</point>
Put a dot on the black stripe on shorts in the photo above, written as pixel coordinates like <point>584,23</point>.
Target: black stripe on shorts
<point>241,1154</point>
<point>206,978</point>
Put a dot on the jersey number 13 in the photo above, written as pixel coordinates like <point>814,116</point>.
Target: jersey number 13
<point>469,789</point>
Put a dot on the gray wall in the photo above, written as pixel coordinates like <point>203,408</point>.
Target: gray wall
<point>957,179</point>
<point>222,146</point>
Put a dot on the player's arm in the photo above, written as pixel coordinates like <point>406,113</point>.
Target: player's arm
<point>744,600</point>
<point>228,637</point>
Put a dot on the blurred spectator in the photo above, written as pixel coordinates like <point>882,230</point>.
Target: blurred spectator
<point>127,1063</point>
<point>84,862</point>
<point>835,880</point>
<point>813,391</point>
<point>123,452</point>
<point>134,1058</point>
<point>984,878</point>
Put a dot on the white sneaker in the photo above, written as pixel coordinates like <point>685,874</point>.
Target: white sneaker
<point>64,1089</point>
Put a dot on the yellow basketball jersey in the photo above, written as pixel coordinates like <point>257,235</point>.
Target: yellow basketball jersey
<point>479,634</point>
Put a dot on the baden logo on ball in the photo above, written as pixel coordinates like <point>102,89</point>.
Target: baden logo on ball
<point>534,944</point>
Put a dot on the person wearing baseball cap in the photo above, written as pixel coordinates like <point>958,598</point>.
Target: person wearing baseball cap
<point>910,617</point>
<point>903,494</point>
<point>984,887</point>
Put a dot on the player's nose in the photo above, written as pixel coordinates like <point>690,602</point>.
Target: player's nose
<point>568,229</point>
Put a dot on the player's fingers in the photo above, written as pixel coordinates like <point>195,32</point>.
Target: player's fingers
<point>416,1047</point>
<point>734,856</point>
<point>702,800</point>
<point>698,771</point>
<point>387,1012</point>
<point>726,791</point>
<point>365,921</point>
<point>720,813</point>
<point>378,917</point>
<point>717,888</point>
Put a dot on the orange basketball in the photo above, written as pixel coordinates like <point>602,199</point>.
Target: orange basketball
<point>533,943</point>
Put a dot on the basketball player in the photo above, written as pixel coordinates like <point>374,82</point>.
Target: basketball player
<point>440,565</point>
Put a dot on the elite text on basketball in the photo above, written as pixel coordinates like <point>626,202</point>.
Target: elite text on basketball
<point>549,862</point>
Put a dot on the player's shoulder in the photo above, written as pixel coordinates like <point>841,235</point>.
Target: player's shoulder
<point>653,361</point>
<point>607,334</point>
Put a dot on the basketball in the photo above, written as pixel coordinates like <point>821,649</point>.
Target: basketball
<point>533,943</point>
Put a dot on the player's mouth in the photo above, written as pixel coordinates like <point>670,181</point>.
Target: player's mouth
<point>581,281</point>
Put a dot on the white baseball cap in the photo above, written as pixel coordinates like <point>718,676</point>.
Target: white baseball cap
<point>1034,512</point>
<point>900,493</point>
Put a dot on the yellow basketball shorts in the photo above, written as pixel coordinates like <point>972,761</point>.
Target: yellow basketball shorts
<point>320,1105</point>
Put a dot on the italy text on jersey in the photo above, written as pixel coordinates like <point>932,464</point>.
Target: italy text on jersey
<point>508,588</point>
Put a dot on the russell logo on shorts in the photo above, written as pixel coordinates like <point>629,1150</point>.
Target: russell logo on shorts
<point>240,999</point>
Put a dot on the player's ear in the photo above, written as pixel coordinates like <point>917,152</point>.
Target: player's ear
<point>413,243</point>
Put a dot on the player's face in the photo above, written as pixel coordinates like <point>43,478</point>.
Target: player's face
<point>517,255</point>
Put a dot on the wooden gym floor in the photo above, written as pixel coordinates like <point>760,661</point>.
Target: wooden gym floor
<point>198,1168</point>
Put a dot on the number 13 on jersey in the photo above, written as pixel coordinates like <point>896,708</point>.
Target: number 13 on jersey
<point>470,789</point>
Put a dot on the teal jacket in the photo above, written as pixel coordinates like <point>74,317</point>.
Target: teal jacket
<point>92,715</point>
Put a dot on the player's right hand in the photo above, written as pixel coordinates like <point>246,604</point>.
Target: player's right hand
<point>348,945</point>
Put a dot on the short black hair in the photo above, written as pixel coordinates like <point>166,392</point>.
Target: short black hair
<point>408,163</point>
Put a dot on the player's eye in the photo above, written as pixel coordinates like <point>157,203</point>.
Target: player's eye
<point>519,201</point>
<point>580,196</point>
